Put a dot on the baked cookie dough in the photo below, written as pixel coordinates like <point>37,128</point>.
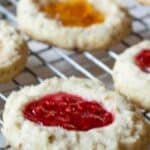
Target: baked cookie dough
<point>145,2</point>
<point>132,74</point>
<point>74,114</point>
<point>13,52</point>
<point>75,24</point>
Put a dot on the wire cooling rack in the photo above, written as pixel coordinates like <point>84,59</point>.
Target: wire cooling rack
<point>47,61</point>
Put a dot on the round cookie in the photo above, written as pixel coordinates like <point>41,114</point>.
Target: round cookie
<point>13,52</point>
<point>74,114</point>
<point>99,25</point>
<point>131,74</point>
<point>145,2</point>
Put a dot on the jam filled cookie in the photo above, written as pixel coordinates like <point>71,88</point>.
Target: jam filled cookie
<point>145,2</point>
<point>75,24</point>
<point>13,52</point>
<point>72,114</point>
<point>132,74</point>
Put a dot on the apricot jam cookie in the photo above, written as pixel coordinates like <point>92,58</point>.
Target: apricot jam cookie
<point>145,2</point>
<point>75,24</point>
<point>72,114</point>
<point>13,52</point>
<point>132,74</point>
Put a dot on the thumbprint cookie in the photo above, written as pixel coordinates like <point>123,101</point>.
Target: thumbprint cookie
<point>75,24</point>
<point>72,114</point>
<point>132,74</point>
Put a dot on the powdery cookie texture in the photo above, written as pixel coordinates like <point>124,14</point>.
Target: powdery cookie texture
<point>38,25</point>
<point>145,2</point>
<point>13,52</point>
<point>127,131</point>
<point>132,78</point>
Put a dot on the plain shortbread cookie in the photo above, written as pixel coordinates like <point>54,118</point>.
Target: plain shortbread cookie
<point>128,131</point>
<point>13,52</point>
<point>95,37</point>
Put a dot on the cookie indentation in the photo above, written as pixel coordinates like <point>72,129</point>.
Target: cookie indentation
<point>73,12</point>
<point>68,111</point>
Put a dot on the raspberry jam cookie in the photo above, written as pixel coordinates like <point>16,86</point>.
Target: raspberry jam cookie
<point>13,52</point>
<point>132,74</point>
<point>98,25</point>
<point>72,114</point>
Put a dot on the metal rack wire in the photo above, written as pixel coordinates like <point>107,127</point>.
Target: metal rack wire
<point>46,61</point>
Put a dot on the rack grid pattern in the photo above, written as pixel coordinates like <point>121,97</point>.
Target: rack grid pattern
<point>47,61</point>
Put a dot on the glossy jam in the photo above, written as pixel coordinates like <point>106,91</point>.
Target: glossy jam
<point>73,12</point>
<point>68,111</point>
<point>142,60</point>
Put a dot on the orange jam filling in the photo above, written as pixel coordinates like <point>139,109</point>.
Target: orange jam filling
<point>73,12</point>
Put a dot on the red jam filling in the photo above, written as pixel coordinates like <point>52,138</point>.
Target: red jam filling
<point>68,111</point>
<point>142,60</point>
